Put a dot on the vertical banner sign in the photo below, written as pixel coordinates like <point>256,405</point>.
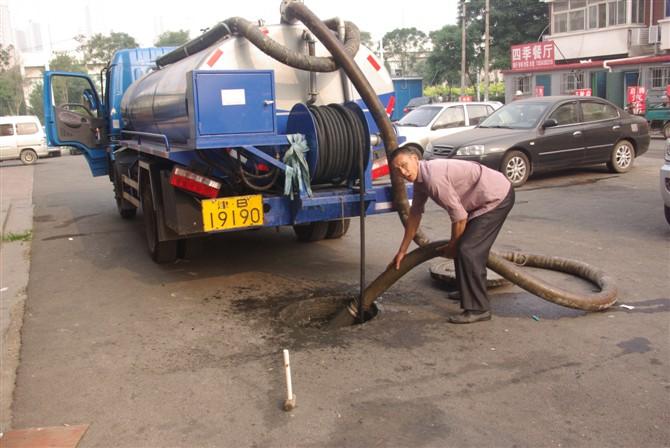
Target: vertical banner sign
<point>533,55</point>
<point>636,99</point>
<point>539,90</point>
<point>583,92</point>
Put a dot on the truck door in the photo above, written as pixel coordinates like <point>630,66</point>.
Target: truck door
<point>74,116</point>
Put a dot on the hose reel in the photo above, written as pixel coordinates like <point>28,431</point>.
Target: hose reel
<point>336,135</point>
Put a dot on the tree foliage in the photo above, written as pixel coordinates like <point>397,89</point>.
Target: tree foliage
<point>405,45</point>
<point>366,39</point>
<point>64,62</point>
<point>444,62</point>
<point>172,38</point>
<point>12,101</point>
<point>99,49</point>
<point>36,101</point>
<point>511,22</point>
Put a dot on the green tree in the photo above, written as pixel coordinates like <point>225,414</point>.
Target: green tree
<point>36,101</point>
<point>444,62</point>
<point>511,22</point>
<point>405,45</point>
<point>66,63</point>
<point>99,49</point>
<point>366,39</point>
<point>12,101</point>
<point>172,38</point>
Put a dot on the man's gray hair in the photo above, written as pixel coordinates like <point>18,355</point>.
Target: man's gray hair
<point>407,150</point>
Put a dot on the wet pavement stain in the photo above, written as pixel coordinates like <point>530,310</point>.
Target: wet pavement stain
<point>635,345</point>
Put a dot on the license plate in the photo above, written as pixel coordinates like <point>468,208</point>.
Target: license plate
<point>232,213</point>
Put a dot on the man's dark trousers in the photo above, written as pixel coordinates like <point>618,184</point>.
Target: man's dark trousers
<point>473,252</point>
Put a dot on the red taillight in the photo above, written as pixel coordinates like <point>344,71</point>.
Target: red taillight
<point>405,110</point>
<point>195,183</point>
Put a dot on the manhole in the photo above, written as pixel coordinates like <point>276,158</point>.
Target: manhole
<point>317,312</point>
<point>444,273</point>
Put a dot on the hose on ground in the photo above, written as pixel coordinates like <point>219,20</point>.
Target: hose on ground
<point>507,264</point>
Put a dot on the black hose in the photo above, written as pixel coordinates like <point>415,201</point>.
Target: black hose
<point>205,40</point>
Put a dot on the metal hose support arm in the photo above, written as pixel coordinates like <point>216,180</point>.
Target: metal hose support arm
<point>507,265</point>
<point>300,12</point>
<point>285,55</point>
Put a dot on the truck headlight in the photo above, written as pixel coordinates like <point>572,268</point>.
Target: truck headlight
<point>471,150</point>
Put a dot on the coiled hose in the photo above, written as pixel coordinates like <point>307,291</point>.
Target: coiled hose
<point>506,264</point>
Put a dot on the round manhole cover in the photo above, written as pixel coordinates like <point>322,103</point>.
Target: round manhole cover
<point>444,273</point>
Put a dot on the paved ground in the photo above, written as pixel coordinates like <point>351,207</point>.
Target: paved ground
<point>190,354</point>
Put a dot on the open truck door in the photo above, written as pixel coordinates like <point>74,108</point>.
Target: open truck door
<point>75,116</point>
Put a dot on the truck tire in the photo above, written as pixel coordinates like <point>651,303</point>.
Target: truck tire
<point>28,156</point>
<point>622,157</point>
<point>160,251</point>
<point>337,229</point>
<point>314,231</point>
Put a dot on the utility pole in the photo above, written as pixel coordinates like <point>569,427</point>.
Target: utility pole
<point>486,51</point>
<point>463,51</point>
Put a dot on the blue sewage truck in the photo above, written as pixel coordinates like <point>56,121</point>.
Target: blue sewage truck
<point>218,135</point>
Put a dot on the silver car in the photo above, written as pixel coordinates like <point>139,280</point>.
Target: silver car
<point>665,181</point>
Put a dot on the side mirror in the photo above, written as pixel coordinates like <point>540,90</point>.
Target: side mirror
<point>550,123</point>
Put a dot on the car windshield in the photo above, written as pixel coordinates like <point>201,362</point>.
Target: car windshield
<point>518,115</point>
<point>420,116</point>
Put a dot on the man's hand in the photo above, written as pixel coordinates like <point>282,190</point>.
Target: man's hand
<point>397,260</point>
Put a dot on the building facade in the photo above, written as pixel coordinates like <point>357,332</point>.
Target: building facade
<point>601,47</point>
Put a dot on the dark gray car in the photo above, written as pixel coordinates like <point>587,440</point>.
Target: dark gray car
<point>550,133</point>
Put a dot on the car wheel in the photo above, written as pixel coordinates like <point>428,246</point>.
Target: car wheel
<point>666,130</point>
<point>621,158</point>
<point>516,167</point>
<point>28,156</point>
<point>667,213</point>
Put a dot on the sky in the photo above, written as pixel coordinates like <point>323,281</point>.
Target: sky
<point>144,19</point>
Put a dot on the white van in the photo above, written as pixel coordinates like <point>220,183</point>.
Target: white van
<point>22,137</point>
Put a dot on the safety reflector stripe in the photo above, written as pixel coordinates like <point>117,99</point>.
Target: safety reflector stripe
<point>215,57</point>
<point>380,168</point>
<point>374,63</point>
<point>390,106</point>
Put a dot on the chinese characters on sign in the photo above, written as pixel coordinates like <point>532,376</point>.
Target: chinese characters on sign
<point>533,55</point>
<point>539,90</point>
<point>583,92</point>
<point>636,100</point>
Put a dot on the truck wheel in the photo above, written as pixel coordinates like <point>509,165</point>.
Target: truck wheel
<point>666,130</point>
<point>621,158</point>
<point>28,156</point>
<point>515,167</point>
<point>160,251</point>
<point>337,229</point>
<point>314,231</point>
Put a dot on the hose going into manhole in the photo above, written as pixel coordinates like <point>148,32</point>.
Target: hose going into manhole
<point>506,264</point>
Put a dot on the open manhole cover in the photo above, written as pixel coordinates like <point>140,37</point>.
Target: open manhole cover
<point>444,273</point>
<point>316,312</point>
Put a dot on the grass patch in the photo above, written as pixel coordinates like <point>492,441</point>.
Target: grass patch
<point>10,237</point>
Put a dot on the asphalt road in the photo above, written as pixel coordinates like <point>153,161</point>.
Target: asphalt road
<point>189,354</point>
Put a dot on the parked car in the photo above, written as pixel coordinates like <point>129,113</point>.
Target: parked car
<point>665,181</point>
<point>419,101</point>
<point>22,137</point>
<point>426,123</point>
<point>550,133</point>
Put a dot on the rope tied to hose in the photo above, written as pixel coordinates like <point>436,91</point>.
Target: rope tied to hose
<point>297,170</point>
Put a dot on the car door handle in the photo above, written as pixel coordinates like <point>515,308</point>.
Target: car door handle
<point>615,127</point>
<point>577,133</point>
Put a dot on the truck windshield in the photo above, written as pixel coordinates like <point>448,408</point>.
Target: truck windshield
<point>420,117</point>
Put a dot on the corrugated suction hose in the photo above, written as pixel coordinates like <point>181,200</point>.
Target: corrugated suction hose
<point>507,264</point>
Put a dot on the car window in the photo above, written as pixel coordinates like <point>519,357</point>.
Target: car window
<point>420,116</point>
<point>6,129</point>
<point>594,111</point>
<point>477,112</point>
<point>517,115</point>
<point>565,114</point>
<point>452,117</point>
<point>26,128</point>
<point>419,101</point>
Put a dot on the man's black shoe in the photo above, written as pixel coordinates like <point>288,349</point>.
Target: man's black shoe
<point>454,295</point>
<point>469,317</point>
